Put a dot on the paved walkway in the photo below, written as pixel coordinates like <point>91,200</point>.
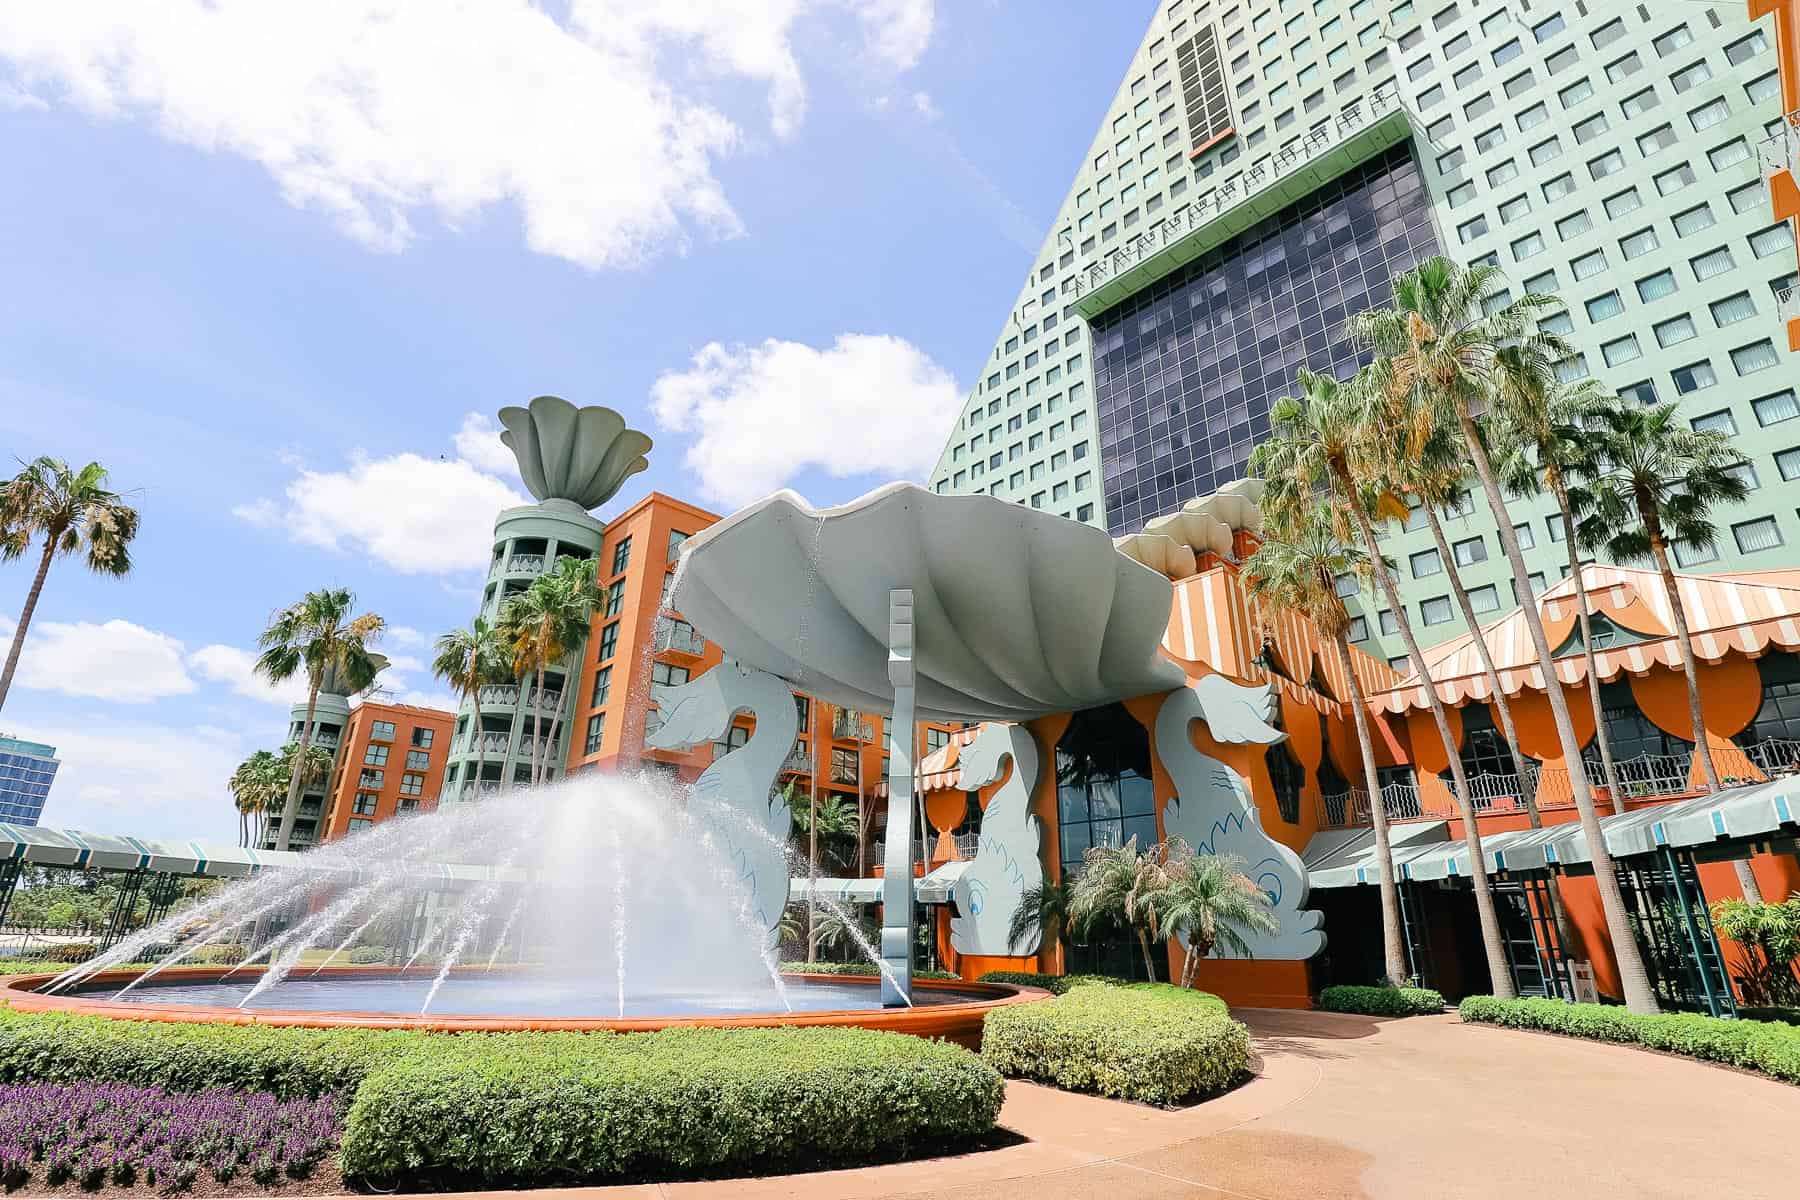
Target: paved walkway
<point>1349,1107</point>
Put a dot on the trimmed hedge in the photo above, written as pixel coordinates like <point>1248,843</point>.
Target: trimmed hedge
<point>1055,984</point>
<point>1381,1001</point>
<point>854,968</point>
<point>291,1063</point>
<point>534,1109</point>
<point>1152,1042</point>
<point>1767,1046</point>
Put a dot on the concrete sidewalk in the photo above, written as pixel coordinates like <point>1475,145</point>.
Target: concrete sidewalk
<point>1346,1107</point>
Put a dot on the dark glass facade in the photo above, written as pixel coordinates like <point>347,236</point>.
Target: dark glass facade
<point>1185,370</point>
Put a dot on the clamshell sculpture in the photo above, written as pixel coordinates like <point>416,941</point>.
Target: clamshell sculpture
<point>582,455</point>
<point>1016,613</point>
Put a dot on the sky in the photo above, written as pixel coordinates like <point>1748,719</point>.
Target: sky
<point>277,264</point>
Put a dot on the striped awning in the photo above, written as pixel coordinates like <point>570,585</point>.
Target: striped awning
<point>938,771</point>
<point>1744,613</point>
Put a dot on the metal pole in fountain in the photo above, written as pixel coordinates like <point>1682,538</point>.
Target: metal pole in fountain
<point>897,880</point>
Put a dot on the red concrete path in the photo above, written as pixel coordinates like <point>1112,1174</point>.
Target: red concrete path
<point>1347,1107</point>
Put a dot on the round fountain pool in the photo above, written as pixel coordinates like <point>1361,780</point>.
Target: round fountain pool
<point>479,999</point>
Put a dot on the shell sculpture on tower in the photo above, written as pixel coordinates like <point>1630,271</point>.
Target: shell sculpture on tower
<point>581,455</point>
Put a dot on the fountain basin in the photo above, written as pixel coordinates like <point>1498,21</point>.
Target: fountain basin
<point>949,1010</point>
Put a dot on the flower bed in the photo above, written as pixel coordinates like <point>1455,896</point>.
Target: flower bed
<point>1767,1046</point>
<point>1143,1041</point>
<point>1381,1001</point>
<point>98,1133</point>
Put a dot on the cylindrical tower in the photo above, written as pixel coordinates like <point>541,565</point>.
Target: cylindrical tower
<point>572,460</point>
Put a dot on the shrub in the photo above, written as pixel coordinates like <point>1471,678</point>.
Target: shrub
<point>287,1062</point>
<point>70,952</point>
<point>1055,984</point>
<point>1143,1041</point>
<point>364,955</point>
<point>521,1109</point>
<point>220,954</point>
<point>1381,1001</point>
<point>1767,1046</point>
<point>91,1133</point>
<point>854,968</point>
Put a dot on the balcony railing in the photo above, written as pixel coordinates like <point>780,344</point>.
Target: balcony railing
<point>1352,121</point>
<point>799,759</point>
<point>678,638</point>
<point>525,564</point>
<point>473,790</point>
<point>1781,150</point>
<point>325,741</point>
<point>850,725</point>
<point>1788,302</point>
<point>967,845</point>
<point>499,694</point>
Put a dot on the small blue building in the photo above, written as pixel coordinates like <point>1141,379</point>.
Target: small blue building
<point>27,769</point>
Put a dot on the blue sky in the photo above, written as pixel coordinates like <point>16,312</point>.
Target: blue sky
<point>276,271</point>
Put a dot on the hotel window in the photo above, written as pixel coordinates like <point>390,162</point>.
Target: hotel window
<point>1358,630</point>
<point>1460,195</point>
<point>1759,534</point>
<point>1544,151</point>
<point>1638,104</point>
<point>1604,308</point>
<point>1788,463</point>
<point>1575,93</point>
<point>1744,473</point>
<point>1588,265</point>
<point>1687,555</point>
<point>1527,539</point>
<point>1468,231</point>
<point>1732,309</point>
<point>1675,330</point>
<point>596,733</point>
<point>411,785</point>
<point>1501,173</point>
<point>1466,77</point>
<point>1773,410</point>
<point>1544,30</point>
<point>1763,89</point>
<point>1528,246</point>
<point>1571,369</point>
<point>1489,139</point>
<point>1729,154</point>
<point>1752,195</point>
<point>1436,610</point>
<point>615,597</point>
<point>1774,240</point>
<point>1643,392</point>
<point>1656,141</point>
<point>1713,262</point>
<point>1607,164</point>
<point>1709,114</point>
<point>1693,220</point>
<point>376,756</point>
<point>382,731</point>
<point>1469,551</point>
<point>1655,287</point>
<point>1624,68</point>
<point>1390,624</point>
<point>1690,77</point>
<point>1586,131</point>
<point>1715,422</point>
<point>1534,116</point>
<point>1695,377</point>
<point>1674,179</point>
<point>371,779</point>
<point>1621,351</point>
<point>1747,48</point>
<point>1574,225</point>
<point>621,555</point>
<point>418,760</point>
<point>1484,599</point>
<point>609,642</point>
<point>1519,84</point>
<point>1515,208</point>
<point>365,804</point>
<point>1757,356</point>
<point>1673,40</point>
<point>1426,562</point>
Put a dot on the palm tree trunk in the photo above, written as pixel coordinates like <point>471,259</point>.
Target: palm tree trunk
<point>1582,614</point>
<point>31,599</point>
<point>537,724</point>
<point>1498,970</point>
<point>1143,937</point>
<point>291,808</point>
<point>480,739</point>
<point>1697,719</point>
<point>1393,946</point>
<point>1635,981</point>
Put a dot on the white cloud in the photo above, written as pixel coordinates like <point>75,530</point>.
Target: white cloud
<point>378,111</point>
<point>114,660</point>
<point>141,778</point>
<point>762,414</point>
<point>478,443</point>
<point>418,516</point>
<point>925,106</point>
<point>12,99</point>
<point>404,635</point>
<point>236,669</point>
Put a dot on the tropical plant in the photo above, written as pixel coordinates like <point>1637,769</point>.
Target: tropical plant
<point>255,786</point>
<point>1323,441</point>
<point>1650,490</point>
<point>69,511</point>
<point>468,659</point>
<point>540,626</point>
<point>836,821</point>
<point>1119,887</point>
<point>1441,338</point>
<point>1540,425</point>
<point>317,637</point>
<point>1768,937</point>
<point>1209,902</point>
<point>1044,909</point>
<point>1297,567</point>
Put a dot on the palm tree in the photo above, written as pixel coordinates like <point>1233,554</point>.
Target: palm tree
<point>835,819</point>
<point>317,636</point>
<point>1541,424</point>
<point>1297,567</point>
<point>1045,910</point>
<point>254,786</point>
<point>577,584</point>
<point>314,766</point>
<point>71,511</point>
<point>467,660</point>
<point>1210,902</point>
<point>539,626</point>
<point>1652,487</point>
<point>1324,441</point>
<point>1121,885</point>
<point>1440,338</point>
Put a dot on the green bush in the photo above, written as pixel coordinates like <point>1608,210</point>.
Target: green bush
<point>364,955</point>
<point>70,952</point>
<point>1771,1047</point>
<point>854,968</point>
<point>1381,1001</point>
<point>292,1063</point>
<point>525,1109</point>
<point>220,954</point>
<point>1143,1041</point>
<point>1055,984</point>
<point>50,966</point>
